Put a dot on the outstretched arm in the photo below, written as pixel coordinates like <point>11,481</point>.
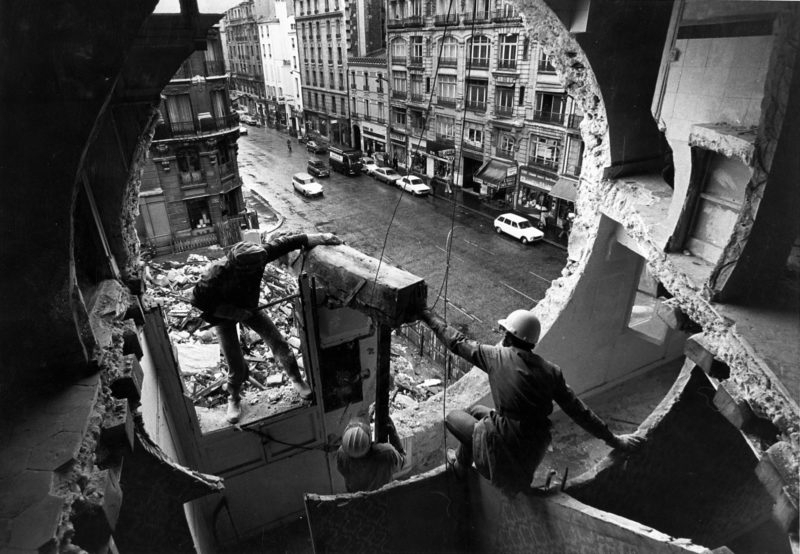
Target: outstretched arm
<point>454,340</point>
<point>581,414</point>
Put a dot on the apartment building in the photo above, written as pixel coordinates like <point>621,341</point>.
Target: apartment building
<point>244,56</point>
<point>369,104</point>
<point>323,29</point>
<point>280,59</point>
<point>475,103</point>
<point>191,187</point>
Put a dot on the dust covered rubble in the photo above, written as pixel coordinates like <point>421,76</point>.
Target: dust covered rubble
<point>204,368</point>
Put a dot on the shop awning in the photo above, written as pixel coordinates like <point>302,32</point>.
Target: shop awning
<point>492,173</point>
<point>566,189</point>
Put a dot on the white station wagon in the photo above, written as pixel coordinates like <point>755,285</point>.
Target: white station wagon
<point>518,227</point>
<point>306,185</point>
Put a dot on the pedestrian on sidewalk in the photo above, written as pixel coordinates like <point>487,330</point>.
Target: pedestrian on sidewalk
<point>228,293</point>
<point>509,441</point>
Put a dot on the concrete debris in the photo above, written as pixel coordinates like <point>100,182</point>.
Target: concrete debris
<point>204,369</point>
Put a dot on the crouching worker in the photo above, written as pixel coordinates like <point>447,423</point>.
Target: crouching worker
<point>367,466</point>
<point>509,441</point>
<point>228,293</point>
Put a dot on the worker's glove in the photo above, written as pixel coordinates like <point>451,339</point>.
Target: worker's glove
<point>231,312</point>
<point>319,239</point>
<point>627,443</point>
<point>430,318</point>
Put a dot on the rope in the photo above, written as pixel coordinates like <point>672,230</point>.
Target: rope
<point>445,280</point>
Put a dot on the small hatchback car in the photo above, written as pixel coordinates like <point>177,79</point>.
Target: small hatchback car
<point>318,168</point>
<point>518,227</point>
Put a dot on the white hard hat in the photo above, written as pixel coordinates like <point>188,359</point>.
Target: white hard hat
<point>523,325</point>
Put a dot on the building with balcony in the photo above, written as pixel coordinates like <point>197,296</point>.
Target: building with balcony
<point>476,103</point>
<point>191,190</point>
<point>369,103</point>
<point>280,58</point>
<point>323,29</point>
<point>245,58</point>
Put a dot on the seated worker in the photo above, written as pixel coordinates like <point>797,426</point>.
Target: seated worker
<point>367,466</point>
<point>228,293</point>
<point>509,441</point>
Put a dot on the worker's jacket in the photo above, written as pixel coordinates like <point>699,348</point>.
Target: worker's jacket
<point>225,282</point>
<point>371,471</point>
<point>509,444</point>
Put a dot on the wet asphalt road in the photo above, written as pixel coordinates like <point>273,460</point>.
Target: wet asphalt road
<point>490,275</point>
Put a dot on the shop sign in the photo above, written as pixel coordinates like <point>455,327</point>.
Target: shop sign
<point>397,137</point>
<point>511,171</point>
<point>529,179</point>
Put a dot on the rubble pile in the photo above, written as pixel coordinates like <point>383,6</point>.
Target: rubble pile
<point>203,367</point>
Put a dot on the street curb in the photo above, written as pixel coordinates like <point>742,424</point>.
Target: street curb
<point>281,219</point>
<point>491,218</point>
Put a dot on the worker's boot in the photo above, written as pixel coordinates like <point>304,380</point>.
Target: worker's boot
<point>301,387</point>
<point>454,465</point>
<point>234,405</point>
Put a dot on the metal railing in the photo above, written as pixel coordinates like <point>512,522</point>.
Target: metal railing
<point>399,60</point>
<point>506,15</point>
<point>445,101</point>
<point>478,62</point>
<point>448,62</point>
<point>452,19</point>
<point>172,129</point>
<point>398,94</point>
<point>417,97</point>
<point>415,60</point>
<point>546,67</point>
<point>548,117</point>
<point>503,153</point>
<point>574,121</point>
<point>445,138</point>
<point>468,17</point>
<point>506,64</point>
<point>476,106</point>
<point>545,163</point>
<point>504,111</point>
<point>414,21</point>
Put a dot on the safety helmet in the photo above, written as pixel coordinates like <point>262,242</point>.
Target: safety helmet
<point>247,256</point>
<point>356,441</point>
<point>523,325</point>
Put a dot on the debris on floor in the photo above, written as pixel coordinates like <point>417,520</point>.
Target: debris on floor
<point>170,283</point>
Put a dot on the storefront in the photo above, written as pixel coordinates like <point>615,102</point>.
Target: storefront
<point>564,193</point>
<point>374,140</point>
<point>399,150</point>
<point>534,194</point>
<point>497,180</point>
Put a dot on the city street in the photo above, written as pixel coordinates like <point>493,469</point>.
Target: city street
<point>490,274</point>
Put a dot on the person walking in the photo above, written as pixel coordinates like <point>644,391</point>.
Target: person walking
<point>228,293</point>
<point>509,441</point>
<point>289,145</point>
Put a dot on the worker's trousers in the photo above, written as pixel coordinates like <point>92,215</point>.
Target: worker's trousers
<point>232,349</point>
<point>462,423</point>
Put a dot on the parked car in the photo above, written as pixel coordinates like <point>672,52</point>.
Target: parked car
<point>242,130</point>
<point>318,168</point>
<point>249,119</point>
<point>306,185</point>
<point>386,175</point>
<point>414,185</point>
<point>518,227</point>
<point>316,147</point>
<point>369,167</point>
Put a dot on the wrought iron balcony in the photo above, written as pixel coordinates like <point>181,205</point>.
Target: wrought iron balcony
<point>506,64</point>
<point>441,20</point>
<point>544,163</point>
<point>176,129</point>
<point>478,62</point>
<point>399,94</point>
<point>415,60</point>
<point>399,60</point>
<point>476,106</point>
<point>506,15</point>
<point>417,97</point>
<point>414,21</point>
<point>504,111</point>
<point>574,121</point>
<point>548,117</point>
<point>446,101</point>
<point>448,62</point>
<point>479,16</point>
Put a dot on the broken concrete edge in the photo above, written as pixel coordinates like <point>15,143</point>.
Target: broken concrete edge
<point>266,232</point>
<point>347,496</point>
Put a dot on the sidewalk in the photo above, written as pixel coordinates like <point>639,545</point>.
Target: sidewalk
<point>471,201</point>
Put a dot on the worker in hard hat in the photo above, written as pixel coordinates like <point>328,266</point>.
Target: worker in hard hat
<point>228,293</point>
<point>509,441</point>
<point>367,465</point>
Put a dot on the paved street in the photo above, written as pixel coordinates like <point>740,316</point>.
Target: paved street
<point>490,274</point>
